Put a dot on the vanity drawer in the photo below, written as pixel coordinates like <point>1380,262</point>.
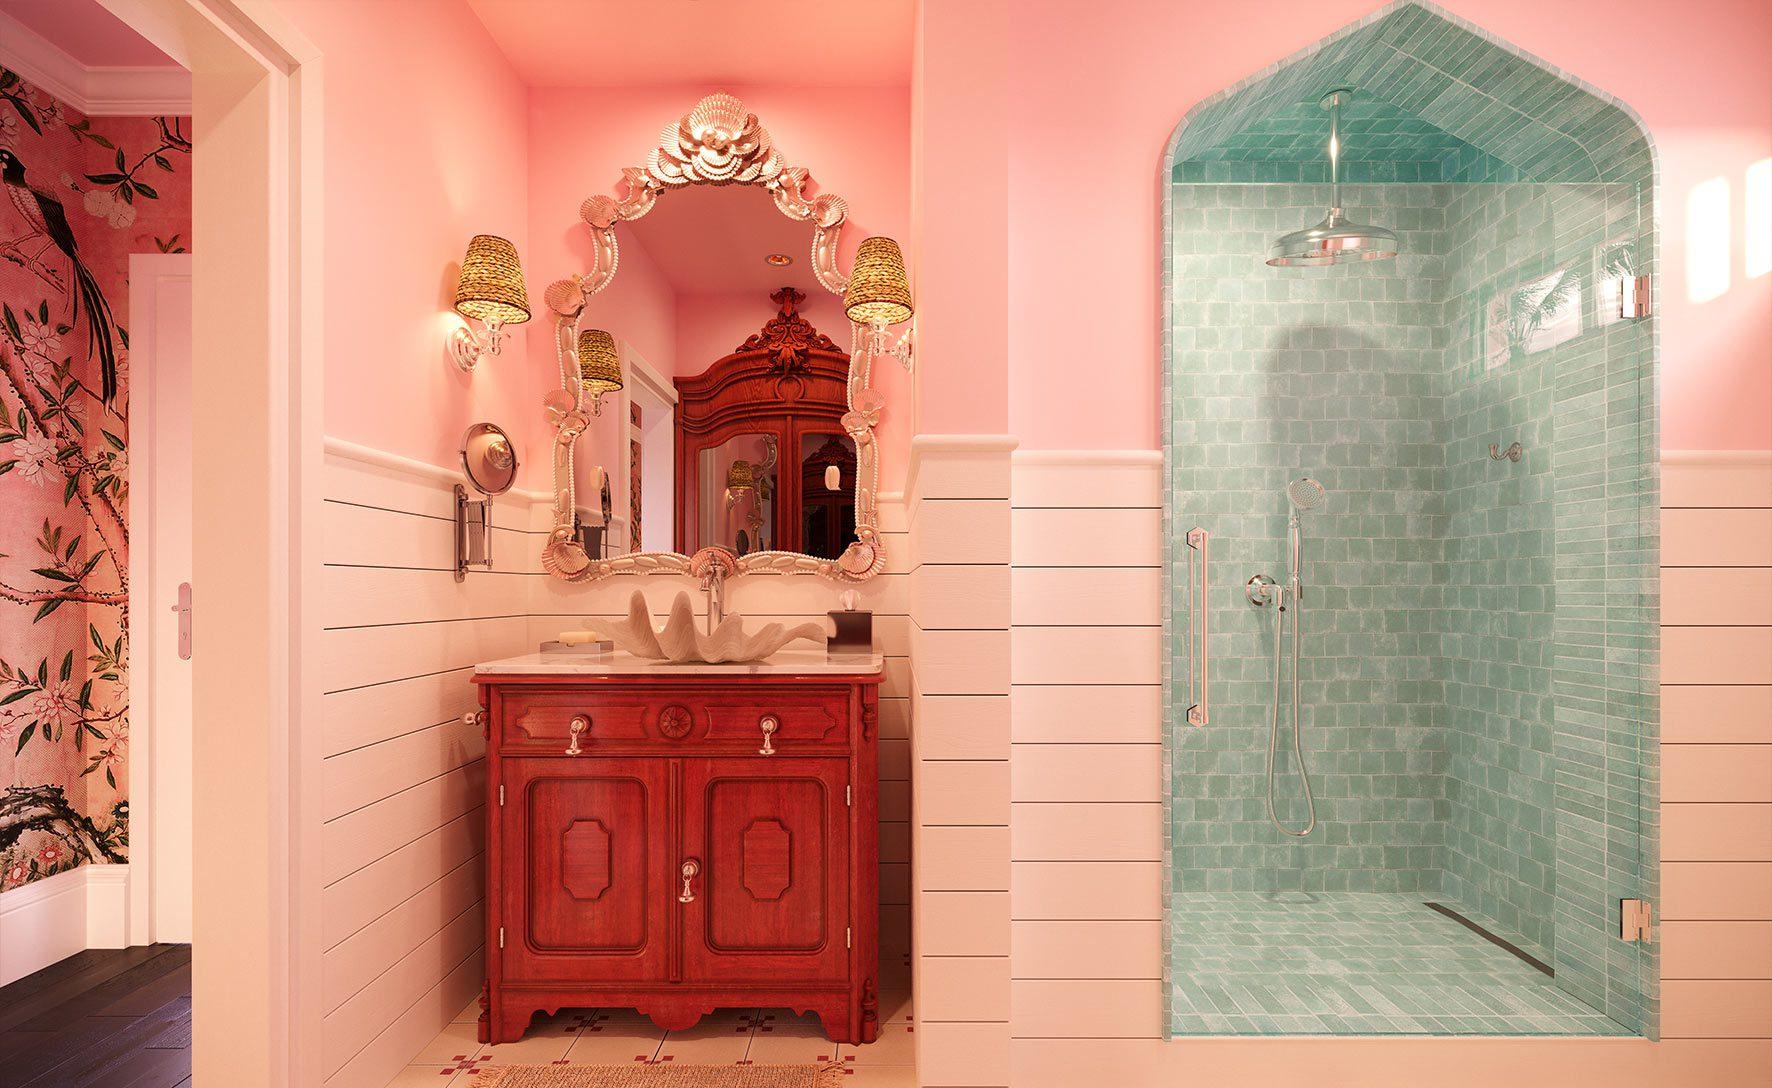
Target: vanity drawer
<point>682,722</point>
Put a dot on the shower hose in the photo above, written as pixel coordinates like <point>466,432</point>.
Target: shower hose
<point>1273,741</point>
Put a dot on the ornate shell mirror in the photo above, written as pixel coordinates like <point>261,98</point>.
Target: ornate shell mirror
<point>754,447</point>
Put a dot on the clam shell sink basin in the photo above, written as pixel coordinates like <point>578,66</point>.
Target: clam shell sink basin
<point>684,642</point>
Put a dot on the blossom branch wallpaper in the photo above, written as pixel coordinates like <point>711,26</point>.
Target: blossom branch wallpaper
<point>82,194</point>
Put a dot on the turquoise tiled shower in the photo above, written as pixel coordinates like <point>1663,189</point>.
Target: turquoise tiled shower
<point>1478,634</point>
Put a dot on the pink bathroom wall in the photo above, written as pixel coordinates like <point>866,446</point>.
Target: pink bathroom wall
<point>426,144</point>
<point>639,308</point>
<point>1082,186</point>
<point>709,326</point>
<point>647,305</point>
<point>966,128</point>
<point>854,140</point>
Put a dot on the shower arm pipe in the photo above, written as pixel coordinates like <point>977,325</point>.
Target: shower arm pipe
<point>1335,154</point>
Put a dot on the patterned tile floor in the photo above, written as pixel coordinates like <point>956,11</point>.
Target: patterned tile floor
<point>1353,963</point>
<point>621,1037</point>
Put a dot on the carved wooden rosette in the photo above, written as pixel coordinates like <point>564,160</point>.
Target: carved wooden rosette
<point>716,143</point>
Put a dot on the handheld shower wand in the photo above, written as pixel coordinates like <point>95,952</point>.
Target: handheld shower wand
<point>1303,494</point>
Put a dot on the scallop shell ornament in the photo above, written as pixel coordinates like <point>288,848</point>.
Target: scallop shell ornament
<point>682,642</point>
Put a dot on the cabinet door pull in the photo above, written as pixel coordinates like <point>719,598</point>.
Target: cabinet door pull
<point>579,726</point>
<point>690,868</point>
<point>769,725</point>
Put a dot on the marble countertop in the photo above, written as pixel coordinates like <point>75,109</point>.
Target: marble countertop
<point>618,663</point>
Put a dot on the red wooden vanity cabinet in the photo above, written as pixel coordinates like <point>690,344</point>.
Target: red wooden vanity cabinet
<point>681,843</point>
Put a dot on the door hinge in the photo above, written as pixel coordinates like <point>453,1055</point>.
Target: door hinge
<point>501,795</point>
<point>849,796</point>
<point>501,936</point>
<point>1634,297</point>
<point>1636,921</point>
<point>848,937</point>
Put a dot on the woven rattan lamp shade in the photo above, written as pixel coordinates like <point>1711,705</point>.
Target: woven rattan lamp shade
<point>490,287</point>
<point>879,293</point>
<point>599,367</point>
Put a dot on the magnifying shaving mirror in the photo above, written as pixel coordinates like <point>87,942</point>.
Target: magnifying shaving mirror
<point>489,459</point>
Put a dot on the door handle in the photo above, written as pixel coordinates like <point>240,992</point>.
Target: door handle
<point>578,727</point>
<point>769,724</point>
<point>690,868</point>
<point>183,608</point>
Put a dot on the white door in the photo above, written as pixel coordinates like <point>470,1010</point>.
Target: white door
<point>160,562</point>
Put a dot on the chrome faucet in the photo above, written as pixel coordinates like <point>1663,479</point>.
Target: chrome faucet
<point>712,564</point>
<point>713,583</point>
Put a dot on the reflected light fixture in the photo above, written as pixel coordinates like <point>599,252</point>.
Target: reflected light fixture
<point>599,366</point>
<point>879,295</point>
<point>778,260</point>
<point>490,290</point>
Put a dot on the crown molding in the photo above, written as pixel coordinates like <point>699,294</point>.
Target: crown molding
<point>101,91</point>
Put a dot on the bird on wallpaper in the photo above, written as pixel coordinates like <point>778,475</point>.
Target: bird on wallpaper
<point>45,215</point>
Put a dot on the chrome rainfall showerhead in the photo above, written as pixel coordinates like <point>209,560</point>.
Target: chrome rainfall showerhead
<point>1336,240</point>
<point>1305,493</point>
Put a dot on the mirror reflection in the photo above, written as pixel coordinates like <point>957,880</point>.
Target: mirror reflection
<point>738,493</point>
<point>726,425</point>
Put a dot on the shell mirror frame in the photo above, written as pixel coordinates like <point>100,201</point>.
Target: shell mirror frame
<point>717,143</point>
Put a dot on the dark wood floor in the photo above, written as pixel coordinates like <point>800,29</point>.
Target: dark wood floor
<point>120,1018</point>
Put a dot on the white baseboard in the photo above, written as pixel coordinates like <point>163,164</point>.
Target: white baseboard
<point>107,905</point>
<point>49,920</point>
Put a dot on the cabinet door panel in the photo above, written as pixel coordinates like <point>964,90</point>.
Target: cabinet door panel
<point>585,874</point>
<point>773,895</point>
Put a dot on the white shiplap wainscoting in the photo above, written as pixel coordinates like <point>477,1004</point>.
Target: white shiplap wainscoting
<point>1087,797</point>
<point>958,494</point>
<point>404,777</point>
<point>1086,899</point>
<point>1716,747</point>
<point>403,780</point>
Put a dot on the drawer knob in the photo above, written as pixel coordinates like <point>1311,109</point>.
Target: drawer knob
<point>769,724</point>
<point>578,727</point>
<point>690,868</point>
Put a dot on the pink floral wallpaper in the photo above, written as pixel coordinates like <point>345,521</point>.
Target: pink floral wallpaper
<point>80,195</point>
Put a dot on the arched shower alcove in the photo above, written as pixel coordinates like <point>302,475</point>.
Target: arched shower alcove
<point>1477,632</point>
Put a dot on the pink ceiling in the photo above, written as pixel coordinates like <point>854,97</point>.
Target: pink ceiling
<point>84,30</point>
<point>602,43</point>
<point>708,240</point>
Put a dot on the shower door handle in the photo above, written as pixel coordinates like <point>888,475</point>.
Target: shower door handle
<point>1201,541</point>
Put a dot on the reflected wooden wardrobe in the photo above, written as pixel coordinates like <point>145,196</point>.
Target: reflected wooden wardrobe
<point>763,462</point>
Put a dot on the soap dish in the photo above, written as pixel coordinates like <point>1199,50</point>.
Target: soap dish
<point>578,649</point>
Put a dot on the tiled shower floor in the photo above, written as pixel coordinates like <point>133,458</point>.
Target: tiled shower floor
<point>1350,963</point>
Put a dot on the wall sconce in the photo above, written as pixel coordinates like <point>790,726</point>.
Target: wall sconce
<point>490,290</point>
<point>599,366</point>
<point>879,295</point>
